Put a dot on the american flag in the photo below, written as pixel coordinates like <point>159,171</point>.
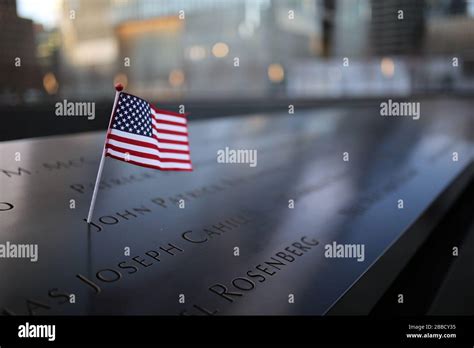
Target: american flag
<point>146,136</point>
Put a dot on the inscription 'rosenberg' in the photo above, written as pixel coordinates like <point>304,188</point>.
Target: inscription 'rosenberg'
<point>263,271</point>
<point>20,251</point>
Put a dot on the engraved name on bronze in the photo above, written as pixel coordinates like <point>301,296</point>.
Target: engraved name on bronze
<point>240,285</point>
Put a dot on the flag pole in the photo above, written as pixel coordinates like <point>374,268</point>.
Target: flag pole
<point>118,89</point>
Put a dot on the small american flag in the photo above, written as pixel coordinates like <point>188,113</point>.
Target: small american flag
<point>146,136</point>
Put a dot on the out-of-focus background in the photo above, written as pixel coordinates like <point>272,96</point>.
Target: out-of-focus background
<point>224,57</point>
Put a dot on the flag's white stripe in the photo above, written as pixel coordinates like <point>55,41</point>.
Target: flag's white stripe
<point>171,118</point>
<point>173,146</point>
<point>151,162</point>
<point>148,150</point>
<point>170,136</point>
<point>150,140</point>
<point>137,137</point>
<point>170,127</point>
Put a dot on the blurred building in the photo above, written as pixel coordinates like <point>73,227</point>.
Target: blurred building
<point>207,49</point>
<point>394,48</point>
<point>48,45</point>
<point>19,67</point>
<point>397,27</point>
<point>212,43</point>
<point>89,47</point>
<point>186,47</point>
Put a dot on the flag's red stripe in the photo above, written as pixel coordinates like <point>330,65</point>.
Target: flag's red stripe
<point>146,155</point>
<point>145,144</point>
<point>169,122</point>
<point>149,165</point>
<point>166,112</point>
<point>165,131</point>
